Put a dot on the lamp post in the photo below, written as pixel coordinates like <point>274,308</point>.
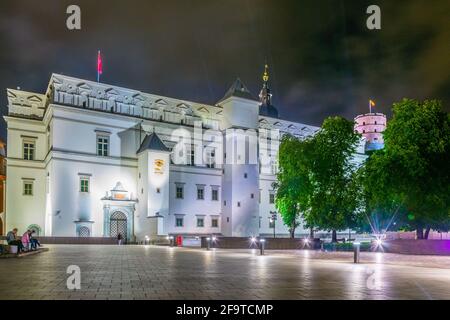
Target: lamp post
<point>171,241</point>
<point>273,218</point>
<point>208,243</point>
<point>262,242</point>
<point>356,247</point>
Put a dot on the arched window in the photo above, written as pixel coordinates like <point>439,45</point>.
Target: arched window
<point>35,228</point>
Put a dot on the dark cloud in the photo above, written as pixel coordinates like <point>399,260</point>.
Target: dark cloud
<point>323,59</point>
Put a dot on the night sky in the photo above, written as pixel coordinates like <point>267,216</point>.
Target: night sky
<point>323,59</point>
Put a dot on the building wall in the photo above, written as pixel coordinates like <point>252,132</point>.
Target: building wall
<point>66,123</point>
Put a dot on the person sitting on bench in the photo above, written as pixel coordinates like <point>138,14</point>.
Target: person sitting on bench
<point>34,243</point>
<point>12,241</point>
<point>26,240</point>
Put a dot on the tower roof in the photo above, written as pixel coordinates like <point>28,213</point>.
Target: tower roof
<point>238,89</point>
<point>265,97</point>
<point>152,142</point>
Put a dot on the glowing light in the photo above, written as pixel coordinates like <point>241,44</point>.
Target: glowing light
<point>147,237</point>
<point>262,240</point>
<point>207,239</point>
<point>170,237</point>
<point>379,242</point>
<point>356,243</point>
<point>306,240</point>
<point>253,239</point>
<point>214,238</point>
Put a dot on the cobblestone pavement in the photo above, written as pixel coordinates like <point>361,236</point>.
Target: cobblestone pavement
<point>138,272</point>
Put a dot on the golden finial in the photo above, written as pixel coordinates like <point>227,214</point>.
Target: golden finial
<point>266,73</point>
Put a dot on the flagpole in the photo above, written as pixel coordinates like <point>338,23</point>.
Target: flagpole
<point>370,106</point>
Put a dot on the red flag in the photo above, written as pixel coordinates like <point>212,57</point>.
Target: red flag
<point>99,66</point>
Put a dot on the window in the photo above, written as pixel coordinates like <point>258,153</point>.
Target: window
<point>214,223</point>
<point>252,196</point>
<point>375,130</point>
<point>215,195</point>
<point>228,219</point>
<point>102,146</point>
<point>200,222</point>
<point>259,196</point>
<point>271,197</point>
<point>179,192</point>
<point>274,166</point>
<point>179,222</point>
<point>28,150</point>
<point>375,122</point>
<point>224,203</point>
<point>239,204</point>
<point>210,158</point>
<point>28,188</point>
<point>245,176</point>
<point>190,156</point>
<point>158,190</point>
<point>84,184</point>
<point>200,193</point>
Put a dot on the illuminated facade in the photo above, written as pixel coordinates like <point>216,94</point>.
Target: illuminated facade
<point>90,159</point>
<point>371,127</point>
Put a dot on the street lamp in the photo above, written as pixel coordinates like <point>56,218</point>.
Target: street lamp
<point>208,243</point>
<point>262,242</point>
<point>171,240</point>
<point>272,219</point>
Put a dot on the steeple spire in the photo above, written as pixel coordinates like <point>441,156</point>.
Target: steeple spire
<point>265,97</point>
<point>266,73</point>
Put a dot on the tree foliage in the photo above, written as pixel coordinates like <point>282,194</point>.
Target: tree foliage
<point>412,171</point>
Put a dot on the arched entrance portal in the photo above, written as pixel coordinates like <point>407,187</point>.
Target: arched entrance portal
<point>118,224</point>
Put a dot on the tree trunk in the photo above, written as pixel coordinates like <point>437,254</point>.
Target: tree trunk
<point>334,236</point>
<point>311,233</point>
<point>292,230</point>
<point>419,232</point>
<point>427,233</point>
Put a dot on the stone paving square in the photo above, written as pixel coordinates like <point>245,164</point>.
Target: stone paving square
<point>156,272</point>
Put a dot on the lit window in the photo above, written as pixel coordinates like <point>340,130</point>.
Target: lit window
<point>178,222</point>
<point>28,150</point>
<point>200,222</point>
<point>102,146</point>
<point>215,223</point>
<point>28,188</point>
<point>215,195</point>
<point>84,184</point>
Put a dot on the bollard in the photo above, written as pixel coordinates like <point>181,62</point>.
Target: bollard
<point>208,243</point>
<point>262,243</point>
<point>356,246</point>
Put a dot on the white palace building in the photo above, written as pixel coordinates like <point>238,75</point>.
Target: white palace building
<point>91,159</point>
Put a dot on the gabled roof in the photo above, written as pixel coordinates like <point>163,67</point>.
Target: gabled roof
<point>238,89</point>
<point>152,142</point>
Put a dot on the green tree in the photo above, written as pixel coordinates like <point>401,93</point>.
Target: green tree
<point>333,202</point>
<point>293,185</point>
<point>412,171</point>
